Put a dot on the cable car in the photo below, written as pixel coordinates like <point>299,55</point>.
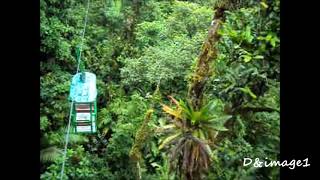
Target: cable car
<point>83,93</point>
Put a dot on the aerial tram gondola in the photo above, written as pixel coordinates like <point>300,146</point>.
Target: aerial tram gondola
<point>83,93</point>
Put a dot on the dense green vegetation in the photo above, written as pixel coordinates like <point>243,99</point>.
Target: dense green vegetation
<point>154,120</point>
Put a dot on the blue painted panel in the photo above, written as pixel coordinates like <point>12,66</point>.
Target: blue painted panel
<point>83,91</point>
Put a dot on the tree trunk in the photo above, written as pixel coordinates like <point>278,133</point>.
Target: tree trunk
<point>140,138</point>
<point>208,55</point>
<point>132,21</point>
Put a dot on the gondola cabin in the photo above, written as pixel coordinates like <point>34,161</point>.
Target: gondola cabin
<point>83,93</point>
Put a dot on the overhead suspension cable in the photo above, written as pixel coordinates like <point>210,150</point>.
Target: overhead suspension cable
<point>71,105</point>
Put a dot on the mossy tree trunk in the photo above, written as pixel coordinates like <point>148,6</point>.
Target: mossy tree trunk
<point>132,20</point>
<point>140,138</point>
<point>208,54</point>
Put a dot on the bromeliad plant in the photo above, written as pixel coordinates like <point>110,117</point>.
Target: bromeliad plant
<point>190,136</point>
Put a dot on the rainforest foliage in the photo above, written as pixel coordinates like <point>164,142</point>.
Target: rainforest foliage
<point>148,55</point>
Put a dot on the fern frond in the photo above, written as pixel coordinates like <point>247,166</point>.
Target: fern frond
<point>49,154</point>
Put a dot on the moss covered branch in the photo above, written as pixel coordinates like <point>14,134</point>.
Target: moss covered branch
<point>140,137</point>
<point>208,54</point>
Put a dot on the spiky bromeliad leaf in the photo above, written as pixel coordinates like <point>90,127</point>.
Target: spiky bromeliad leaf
<point>169,139</point>
<point>196,116</point>
<point>221,119</point>
<point>178,147</point>
<point>174,100</point>
<point>207,108</point>
<point>220,128</point>
<point>169,110</point>
<point>187,109</point>
<point>190,155</point>
<point>165,128</point>
<point>199,134</point>
<point>217,123</point>
<point>49,154</point>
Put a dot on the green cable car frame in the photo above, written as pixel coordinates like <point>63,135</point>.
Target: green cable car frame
<point>83,93</point>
